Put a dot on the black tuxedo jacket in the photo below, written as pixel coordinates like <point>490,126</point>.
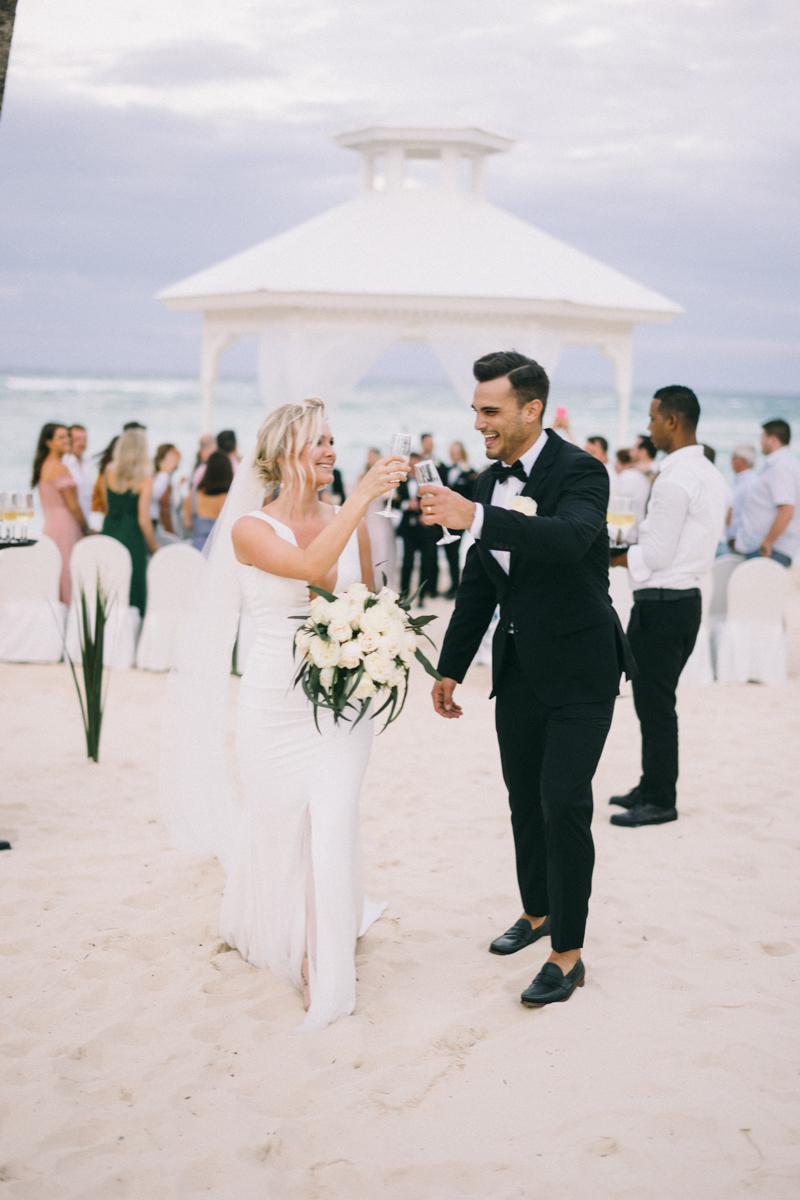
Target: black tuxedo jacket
<point>555,597</point>
<point>410,525</point>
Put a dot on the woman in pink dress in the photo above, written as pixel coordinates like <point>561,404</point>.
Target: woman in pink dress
<point>64,520</point>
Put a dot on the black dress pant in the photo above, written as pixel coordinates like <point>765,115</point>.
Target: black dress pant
<point>662,634</point>
<point>422,539</point>
<point>549,756</point>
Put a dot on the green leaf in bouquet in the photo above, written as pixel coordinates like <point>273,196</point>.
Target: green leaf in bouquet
<point>420,657</point>
<point>418,622</point>
<point>329,596</point>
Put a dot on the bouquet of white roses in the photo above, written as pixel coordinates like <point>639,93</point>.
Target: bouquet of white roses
<point>357,647</point>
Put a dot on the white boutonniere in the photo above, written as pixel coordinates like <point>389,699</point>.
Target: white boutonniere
<point>524,505</point>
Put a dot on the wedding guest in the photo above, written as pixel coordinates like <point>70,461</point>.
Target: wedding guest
<point>208,445</point>
<point>64,520</point>
<point>561,424</point>
<point>334,493</point>
<point>79,468</point>
<point>770,521</point>
<point>128,491</point>
<point>643,454</point>
<point>627,481</point>
<point>167,460</point>
<point>429,451</point>
<point>418,539</point>
<point>743,459</point>
<point>597,446</point>
<point>676,548</point>
<point>382,539</point>
<point>226,442</point>
<point>132,425</point>
<point>204,504</point>
<point>99,507</point>
<point>460,478</point>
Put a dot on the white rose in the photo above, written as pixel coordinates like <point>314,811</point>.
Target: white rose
<point>350,655</point>
<point>358,591</point>
<point>324,654</point>
<point>319,610</point>
<point>378,667</point>
<point>377,618</point>
<point>369,641</point>
<point>339,610</point>
<point>398,678</point>
<point>391,644</point>
<point>365,689</point>
<point>302,639</point>
<point>326,677</point>
<point>387,594</point>
<point>340,630</point>
<point>524,505</point>
<point>409,641</point>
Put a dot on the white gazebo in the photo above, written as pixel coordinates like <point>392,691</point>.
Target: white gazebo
<point>404,262</point>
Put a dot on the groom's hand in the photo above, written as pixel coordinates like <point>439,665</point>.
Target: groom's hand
<point>442,694</point>
<point>440,506</point>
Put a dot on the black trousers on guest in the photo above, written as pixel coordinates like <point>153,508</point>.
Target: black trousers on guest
<point>662,634</point>
<point>421,538</point>
<point>549,756</point>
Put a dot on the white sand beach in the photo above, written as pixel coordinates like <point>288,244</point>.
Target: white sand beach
<point>141,1058</point>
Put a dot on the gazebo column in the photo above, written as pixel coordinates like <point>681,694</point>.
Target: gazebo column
<point>215,342</point>
<point>619,352</point>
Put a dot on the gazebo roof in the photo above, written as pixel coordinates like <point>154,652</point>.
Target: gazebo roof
<point>396,240</point>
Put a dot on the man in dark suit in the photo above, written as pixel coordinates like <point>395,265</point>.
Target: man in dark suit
<point>541,552</point>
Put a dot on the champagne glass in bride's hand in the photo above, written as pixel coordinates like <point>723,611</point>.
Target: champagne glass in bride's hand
<point>400,448</point>
<point>426,472</point>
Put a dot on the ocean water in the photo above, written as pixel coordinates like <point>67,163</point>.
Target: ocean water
<point>170,408</point>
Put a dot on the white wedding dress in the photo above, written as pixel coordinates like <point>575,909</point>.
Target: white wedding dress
<point>295,876</point>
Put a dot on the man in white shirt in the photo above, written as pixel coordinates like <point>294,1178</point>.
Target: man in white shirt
<point>770,522</point>
<point>82,472</point>
<point>743,459</point>
<point>677,544</point>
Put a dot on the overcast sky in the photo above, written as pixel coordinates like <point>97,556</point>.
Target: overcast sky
<point>142,141</point>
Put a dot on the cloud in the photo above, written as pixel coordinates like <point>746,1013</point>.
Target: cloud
<point>186,63</point>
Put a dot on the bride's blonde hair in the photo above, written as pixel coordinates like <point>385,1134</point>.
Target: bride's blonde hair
<point>282,439</point>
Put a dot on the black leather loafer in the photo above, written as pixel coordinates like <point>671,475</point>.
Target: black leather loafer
<point>630,800</point>
<point>519,936</point>
<point>552,986</point>
<point>645,814</point>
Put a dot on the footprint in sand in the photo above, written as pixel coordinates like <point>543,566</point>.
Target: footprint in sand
<point>777,949</point>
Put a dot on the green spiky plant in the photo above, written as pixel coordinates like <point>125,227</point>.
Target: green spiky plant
<point>92,699</point>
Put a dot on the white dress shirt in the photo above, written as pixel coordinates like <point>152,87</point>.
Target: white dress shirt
<point>504,492</point>
<point>778,483</point>
<point>739,491</point>
<point>84,475</point>
<point>685,518</point>
<point>160,485</point>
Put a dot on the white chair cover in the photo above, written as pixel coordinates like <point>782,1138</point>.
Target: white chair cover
<point>621,593</point>
<point>720,575</point>
<point>699,669</point>
<point>172,577</point>
<point>32,618</point>
<point>752,642</point>
<point>106,559</point>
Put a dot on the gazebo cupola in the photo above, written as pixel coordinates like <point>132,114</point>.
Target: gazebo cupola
<point>403,262</point>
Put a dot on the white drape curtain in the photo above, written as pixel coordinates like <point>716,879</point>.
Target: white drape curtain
<point>298,358</point>
<point>457,348</point>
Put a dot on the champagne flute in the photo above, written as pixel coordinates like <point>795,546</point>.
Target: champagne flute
<point>401,448</point>
<point>621,517</point>
<point>26,513</point>
<point>10,512</point>
<point>426,472</point>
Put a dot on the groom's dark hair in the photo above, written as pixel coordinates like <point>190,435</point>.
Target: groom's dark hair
<point>528,380</point>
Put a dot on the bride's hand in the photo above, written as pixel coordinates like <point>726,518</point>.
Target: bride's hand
<point>384,476</point>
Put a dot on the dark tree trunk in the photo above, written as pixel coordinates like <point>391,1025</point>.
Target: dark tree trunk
<point>7,10</point>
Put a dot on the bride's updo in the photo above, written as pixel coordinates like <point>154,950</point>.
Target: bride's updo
<point>282,439</point>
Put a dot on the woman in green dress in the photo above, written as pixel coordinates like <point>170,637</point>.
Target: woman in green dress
<point>128,487</point>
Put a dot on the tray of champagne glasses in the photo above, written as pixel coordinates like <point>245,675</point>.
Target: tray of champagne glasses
<point>15,543</point>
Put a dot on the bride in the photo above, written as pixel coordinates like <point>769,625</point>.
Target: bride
<point>294,899</point>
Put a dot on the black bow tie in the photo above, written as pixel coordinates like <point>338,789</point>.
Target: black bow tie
<point>502,473</point>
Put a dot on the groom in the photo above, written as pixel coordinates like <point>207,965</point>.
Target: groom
<point>541,552</point>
